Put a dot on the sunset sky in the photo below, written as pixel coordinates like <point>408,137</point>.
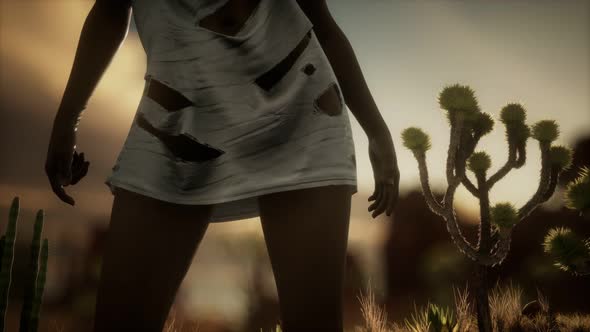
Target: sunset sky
<point>534,52</point>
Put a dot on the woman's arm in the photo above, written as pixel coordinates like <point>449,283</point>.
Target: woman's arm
<point>346,67</point>
<point>103,33</point>
<point>358,98</point>
<point>104,30</point>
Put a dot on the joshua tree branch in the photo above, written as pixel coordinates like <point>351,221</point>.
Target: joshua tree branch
<point>484,244</point>
<point>510,163</point>
<point>502,248</point>
<point>462,152</point>
<point>470,186</point>
<point>476,137</point>
<point>521,155</point>
<point>456,128</point>
<point>527,208</point>
<point>465,150</point>
<point>433,204</point>
<point>453,226</point>
<point>552,184</point>
<point>472,144</point>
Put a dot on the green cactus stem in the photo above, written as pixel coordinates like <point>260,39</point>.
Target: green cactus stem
<point>40,287</point>
<point>7,259</point>
<point>441,319</point>
<point>31,277</point>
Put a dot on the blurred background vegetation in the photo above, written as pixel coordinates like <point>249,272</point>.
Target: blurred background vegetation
<point>535,52</point>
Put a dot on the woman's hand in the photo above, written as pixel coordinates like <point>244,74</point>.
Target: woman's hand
<point>64,166</point>
<point>386,174</point>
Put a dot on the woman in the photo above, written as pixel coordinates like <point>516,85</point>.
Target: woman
<point>242,115</point>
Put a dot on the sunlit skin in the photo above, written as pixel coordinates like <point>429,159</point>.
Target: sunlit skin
<point>308,274</point>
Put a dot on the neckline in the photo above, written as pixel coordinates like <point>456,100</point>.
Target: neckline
<point>242,30</point>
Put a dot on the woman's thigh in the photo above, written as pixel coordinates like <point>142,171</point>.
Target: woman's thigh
<point>306,233</point>
<point>149,247</point>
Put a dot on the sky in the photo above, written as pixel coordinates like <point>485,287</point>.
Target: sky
<point>534,52</point>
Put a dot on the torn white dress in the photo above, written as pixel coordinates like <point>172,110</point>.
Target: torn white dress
<point>225,118</point>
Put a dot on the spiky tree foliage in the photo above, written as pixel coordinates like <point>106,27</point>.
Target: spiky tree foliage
<point>577,194</point>
<point>570,252</point>
<point>468,125</point>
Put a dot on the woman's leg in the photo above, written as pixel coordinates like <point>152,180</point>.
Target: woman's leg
<point>149,248</point>
<point>306,233</point>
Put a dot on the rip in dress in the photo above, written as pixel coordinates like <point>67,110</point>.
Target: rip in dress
<point>184,146</point>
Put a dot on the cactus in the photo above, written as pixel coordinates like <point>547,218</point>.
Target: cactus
<point>31,277</point>
<point>35,281</point>
<point>441,319</point>
<point>7,259</point>
<point>570,252</point>
<point>468,125</point>
<point>39,288</point>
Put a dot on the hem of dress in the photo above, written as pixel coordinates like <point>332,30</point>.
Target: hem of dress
<point>111,183</point>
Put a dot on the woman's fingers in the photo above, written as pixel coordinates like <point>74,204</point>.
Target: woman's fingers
<point>380,191</point>
<point>81,171</point>
<point>380,196</point>
<point>385,196</point>
<point>74,168</point>
<point>59,190</point>
<point>382,202</point>
<point>376,196</point>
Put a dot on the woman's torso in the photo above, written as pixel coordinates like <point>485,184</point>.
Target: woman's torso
<point>217,42</point>
<point>247,73</point>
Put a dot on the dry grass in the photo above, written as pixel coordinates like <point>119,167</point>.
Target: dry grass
<point>375,316</point>
<point>466,320</point>
<point>573,323</point>
<point>419,322</point>
<point>505,306</point>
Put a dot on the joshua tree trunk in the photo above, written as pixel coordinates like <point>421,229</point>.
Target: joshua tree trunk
<point>484,319</point>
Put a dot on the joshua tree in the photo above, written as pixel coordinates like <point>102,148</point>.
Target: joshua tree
<point>570,252</point>
<point>468,124</point>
